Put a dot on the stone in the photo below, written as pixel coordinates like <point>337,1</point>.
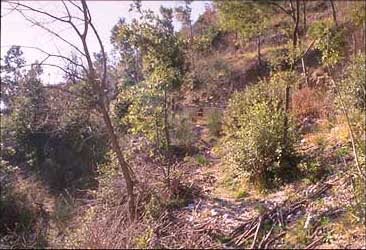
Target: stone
<point>214,212</point>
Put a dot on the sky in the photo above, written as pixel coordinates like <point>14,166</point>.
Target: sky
<point>15,30</point>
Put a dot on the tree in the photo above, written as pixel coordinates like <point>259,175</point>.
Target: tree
<point>183,15</point>
<point>249,19</point>
<point>10,75</point>
<point>96,80</point>
<point>154,39</point>
<point>293,12</point>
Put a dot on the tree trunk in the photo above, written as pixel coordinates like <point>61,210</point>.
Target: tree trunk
<point>334,12</point>
<point>123,164</point>
<point>296,28</point>
<point>166,123</point>
<point>259,50</point>
<point>287,105</point>
<point>304,71</point>
<point>191,46</point>
<point>354,44</point>
<point>304,16</point>
<point>364,35</point>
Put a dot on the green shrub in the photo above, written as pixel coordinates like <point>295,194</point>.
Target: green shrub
<point>214,123</point>
<point>352,88</point>
<point>330,40</point>
<point>201,160</point>
<point>241,194</point>
<point>183,132</point>
<point>254,134</point>
<point>313,170</point>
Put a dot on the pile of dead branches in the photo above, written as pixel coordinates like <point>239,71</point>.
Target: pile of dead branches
<point>176,231</point>
<point>256,229</point>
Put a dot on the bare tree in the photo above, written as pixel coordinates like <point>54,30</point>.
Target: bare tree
<point>97,80</point>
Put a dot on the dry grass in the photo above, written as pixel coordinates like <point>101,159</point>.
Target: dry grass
<point>309,102</point>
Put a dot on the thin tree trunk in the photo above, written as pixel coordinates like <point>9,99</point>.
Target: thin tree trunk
<point>166,123</point>
<point>304,16</point>
<point>296,28</point>
<point>157,132</point>
<point>354,44</point>
<point>304,71</point>
<point>334,12</point>
<point>287,106</point>
<point>259,50</point>
<point>99,90</point>
<point>364,35</point>
<point>123,164</point>
<point>191,46</point>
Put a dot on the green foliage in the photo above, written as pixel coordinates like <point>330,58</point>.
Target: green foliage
<point>352,88</point>
<point>313,170</point>
<point>201,160</point>
<point>214,123</point>
<point>142,241</point>
<point>241,194</point>
<point>279,59</point>
<point>211,72</point>
<point>330,40</point>
<point>63,210</point>
<point>352,91</point>
<point>152,38</point>
<point>254,133</point>
<point>358,15</point>
<point>11,67</point>
<point>203,43</point>
<point>183,133</point>
<point>248,19</point>
<point>154,207</point>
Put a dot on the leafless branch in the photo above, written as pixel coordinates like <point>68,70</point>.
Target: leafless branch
<point>55,55</point>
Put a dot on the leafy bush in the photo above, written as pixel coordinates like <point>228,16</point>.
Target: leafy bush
<point>183,132</point>
<point>201,160</point>
<point>313,170</point>
<point>204,42</point>
<point>254,134</point>
<point>352,88</point>
<point>214,123</point>
<point>352,92</point>
<point>330,40</point>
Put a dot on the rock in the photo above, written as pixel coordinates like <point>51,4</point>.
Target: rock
<point>214,212</point>
<point>190,206</point>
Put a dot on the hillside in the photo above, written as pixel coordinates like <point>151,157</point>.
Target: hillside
<point>245,129</point>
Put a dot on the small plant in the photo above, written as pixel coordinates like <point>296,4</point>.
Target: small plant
<point>342,152</point>
<point>201,160</point>
<point>183,132</point>
<point>312,170</point>
<point>297,237</point>
<point>241,194</point>
<point>153,209</point>
<point>142,241</point>
<point>320,140</point>
<point>64,207</point>
<point>214,123</point>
